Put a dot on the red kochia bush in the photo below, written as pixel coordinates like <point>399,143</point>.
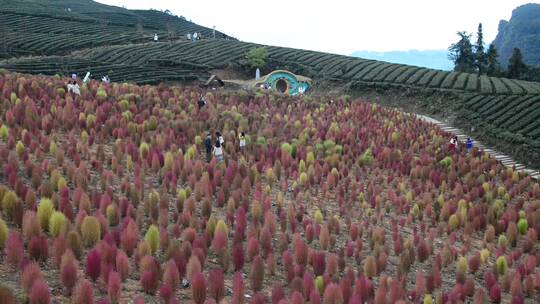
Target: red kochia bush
<point>39,294</point>
<point>30,274</point>
<point>114,286</point>
<point>6,296</point>
<point>166,293</point>
<point>495,293</point>
<point>332,294</point>
<point>68,270</point>
<point>14,248</point>
<point>238,257</point>
<point>238,288</point>
<point>216,284</point>
<point>257,273</point>
<point>171,275</point>
<point>149,281</point>
<point>122,265</point>
<point>83,293</point>
<point>38,248</point>
<point>93,264</point>
<point>198,288</point>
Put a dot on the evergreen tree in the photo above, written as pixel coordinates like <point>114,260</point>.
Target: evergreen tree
<point>480,58</point>
<point>516,67</point>
<point>461,53</point>
<point>493,66</point>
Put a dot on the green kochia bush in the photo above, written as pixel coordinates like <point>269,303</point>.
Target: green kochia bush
<point>523,226</point>
<point>4,132</point>
<point>3,233</point>
<point>446,162</point>
<point>152,237</point>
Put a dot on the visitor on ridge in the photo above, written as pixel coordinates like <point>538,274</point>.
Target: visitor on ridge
<point>218,151</point>
<point>105,79</point>
<point>194,37</point>
<point>155,37</point>
<point>257,74</point>
<point>242,138</point>
<point>208,146</point>
<point>469,145</point>
<point>188,36</point>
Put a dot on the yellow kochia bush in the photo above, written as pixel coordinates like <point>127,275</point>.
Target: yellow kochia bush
<point>44,212</point>
<point>57,223</point>
<point>90,230</point>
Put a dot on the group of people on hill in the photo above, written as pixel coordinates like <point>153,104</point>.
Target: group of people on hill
<point>217,149</point>
<point>194,37</point>
<point>454,144</point>
<point>73,85</point>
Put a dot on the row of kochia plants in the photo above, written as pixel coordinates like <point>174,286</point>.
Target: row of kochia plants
<point>107,197</point>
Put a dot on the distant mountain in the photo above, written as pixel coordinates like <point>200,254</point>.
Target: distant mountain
<point>522,31</point>
<point>434,59</point>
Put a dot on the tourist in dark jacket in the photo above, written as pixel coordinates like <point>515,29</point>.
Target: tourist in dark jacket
<point>208,146</point>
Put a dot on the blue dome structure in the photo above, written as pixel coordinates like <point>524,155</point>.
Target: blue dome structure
<point>285,82</point>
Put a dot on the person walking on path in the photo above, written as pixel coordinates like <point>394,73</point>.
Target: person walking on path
<point>208,146</point>
<point>218,151</point>
<point>155,37</point>
<point>469,145</point>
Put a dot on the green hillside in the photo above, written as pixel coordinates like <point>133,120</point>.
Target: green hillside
<point>31,27</point>
<point>115,41</point>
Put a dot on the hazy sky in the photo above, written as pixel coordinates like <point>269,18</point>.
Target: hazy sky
<point>340,26</point>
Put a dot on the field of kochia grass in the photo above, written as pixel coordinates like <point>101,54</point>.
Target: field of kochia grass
<point>107,197</point>
<point>42,37</point>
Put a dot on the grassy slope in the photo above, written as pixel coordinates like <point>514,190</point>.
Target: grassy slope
<point>112,40</point>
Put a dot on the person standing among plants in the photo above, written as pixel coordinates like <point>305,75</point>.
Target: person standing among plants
<point>242,138</point>
<point>208,146</point>
<point>453,144</point>
<point>220,139</point>
<point>469,145</point>
<point>218,151</point>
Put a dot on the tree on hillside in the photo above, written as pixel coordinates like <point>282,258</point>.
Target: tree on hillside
<point>480,59</point>
<point>516,67</point>
<point>257,57</point>
<point>493,67</point>
<point>461,53</point>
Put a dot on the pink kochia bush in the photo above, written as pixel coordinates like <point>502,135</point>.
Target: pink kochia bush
<point>114,286</point>
<point>68,270</point>
<point>93,264</point>
<point>83,293</point>
<point>14,248</point>
<point>198,288</point>
<point>30,274</point>
<point>39,293</point>
<point>216,284</point>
